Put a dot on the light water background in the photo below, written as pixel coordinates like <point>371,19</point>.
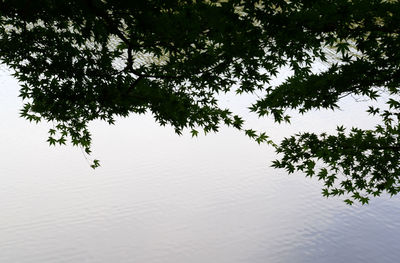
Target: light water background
<point>163,198</point>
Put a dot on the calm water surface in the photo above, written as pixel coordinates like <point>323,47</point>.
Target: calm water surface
<point>163,198</point>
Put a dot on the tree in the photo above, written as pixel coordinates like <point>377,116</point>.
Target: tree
<point>81,60</point>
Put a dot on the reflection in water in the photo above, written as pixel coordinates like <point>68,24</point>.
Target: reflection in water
<point>163,198</point>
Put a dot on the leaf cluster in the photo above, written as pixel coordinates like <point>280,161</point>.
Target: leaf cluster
<point>78,61</point>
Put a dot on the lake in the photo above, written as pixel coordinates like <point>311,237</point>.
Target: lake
<point>159,197</point>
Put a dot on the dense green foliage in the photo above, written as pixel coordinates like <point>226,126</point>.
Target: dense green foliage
<point>82,60</point>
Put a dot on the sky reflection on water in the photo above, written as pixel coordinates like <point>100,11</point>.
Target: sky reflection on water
<point>163,198</point>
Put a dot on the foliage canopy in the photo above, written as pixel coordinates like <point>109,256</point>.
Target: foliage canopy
<point>81,60</point>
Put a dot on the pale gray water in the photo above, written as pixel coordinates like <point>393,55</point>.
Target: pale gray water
<point>163,198</point>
